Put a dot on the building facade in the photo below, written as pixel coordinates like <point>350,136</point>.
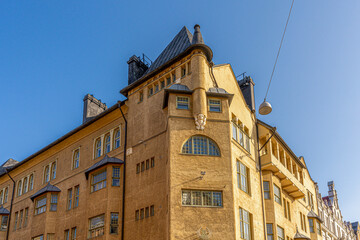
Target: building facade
<point>183,157</point>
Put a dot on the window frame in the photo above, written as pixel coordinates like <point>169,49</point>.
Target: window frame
<point>95,228</point>
<point>103,182</point>
<point>114,225</point>
<point>240,175</point>
<point>116,177</point>
<point>107,143</point>
<point>194,144</point>
<point>212,105</point>
<point>180,101</point>
<point>76,159</point>
<point>267,191</point>
<point>54,199</point>
<point>198,196</point>
<point>278,232</point>
<point>276,197</point>
<point>69,199</point>
<point>244,223</point>
<point>38,209</point>
<point>117,139</point>
<point>4,224</point>
<point>97,148</point>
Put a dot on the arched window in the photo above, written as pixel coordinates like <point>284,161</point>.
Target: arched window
<point>117,138</point>
<point>6,194</point>
<point>25,185</point>
<point>76,158</point>
<point>1,197</point>
<point>53,170</point>
<point>107,144</point>
<point>98,148</point>
<point>47,174</point>
<point>19,192</point>
<point>31,182</point>
<point>200,145</point>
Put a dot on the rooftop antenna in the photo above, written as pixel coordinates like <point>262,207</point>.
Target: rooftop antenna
<point>265,108</point>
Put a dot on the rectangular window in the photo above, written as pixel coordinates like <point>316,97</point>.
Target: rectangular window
<point>152,162</point>
<point>142,213</point>
<point>201,198</point>
<point>53,202</point>
<point>156,88</point>
<point>288,208</point>
<point>301,221</point>
<point>162,84</point>
<point>67,234</point>
<point>318,229</point>
<point>41,237</point>
<point>151,91</point>
<point>26,217</point>
<point>40,205</point>
<point>277,194</point>
<point>234,131</point>
<point>152,210</point>
<point>142,166</point>
<point>183,71</point>
<point>69,199</point>
<point>173,77</point>
<point>214,105</point>
<point>147,213</point>
<point>242,176</point>
<point>182,103</point>
<point>98,181</point>
<point>285,210</point>
<point>141,96</point>
<point>116,176</point>
<point>137,215</point>
<point>73,233</point>
<point>280,233</point>
<point>50,236</point>
<point>138,168</point>
<point>77,193</point>
<point>245,224</point>
<point>311,225</point>
<point>147,164</point>
<point>168,81</point>
<point>189,67</point>
<point>4,222</point>
<point>20,218</point>
<point>269,231</point>
<point>266,190</point>
<point>114,223</point>
<point>96,226</point>
<point>16,220</point>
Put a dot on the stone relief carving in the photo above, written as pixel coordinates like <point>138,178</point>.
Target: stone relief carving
<point>200,121</point>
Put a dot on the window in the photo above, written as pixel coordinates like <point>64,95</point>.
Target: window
<point>311,225</point>
<point>245,225</point>
<point>151,91</point>
<point>318,227</point>
<point>200,145</point>
<point>270,232</point>
<point>98,148</point>
<point>156,88</point>
<point>98,181</point>
<point>201,198</point>
<point>73,233</point>
<point>47,174</point>
<point>183,71</point>
<point>189,67</point>
<point>214,105</point>
<point>40,205</point>
<point>53,170</point>
<point>242,176</point>
<point>240,134</point>
<point>141,96</point>
<point>26,217</point>
<point>173,77</point>
<point>266,190</point>
<point>137,215</point>
<point>16,220</point>
<point>21,215</point>
<point>50,236</point>
<point>116,176</point>
<point>142,166</point>
<point>1,196</point>
<point>69,199</point>
<point>280,233</point>
<point>117,138</point>
<point>168,81</point>
<point>41,237</point>
<point>67,234</point>
<point>152,210</point>
<point>19,192</point>
<point>76,158</point>
<point>114,223</point>
<point>4,222</point>
<point>107,144</point>
<point>147,213</point>
<point>289,210</point>
<point>25,185</point>
<point>6,194</point>
<point>147,164</point>
<point>31,182</point>
<point>152,162</point>
<point>277,194</point>
<point>76,199</point>
<point>96,226</point>
<point>234,131</point>
<point>138,168</point>
<point>182,103</point>
<point>142,213</point>
<point>162,84</point>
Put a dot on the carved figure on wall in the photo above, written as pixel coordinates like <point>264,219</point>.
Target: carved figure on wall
<point>200,121</point>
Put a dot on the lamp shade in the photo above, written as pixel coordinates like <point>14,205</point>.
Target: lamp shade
<point>265,108</point>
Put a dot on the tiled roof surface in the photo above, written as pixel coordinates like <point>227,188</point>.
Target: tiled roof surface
<point>300,236</point>
<point>47,188</point>
<point>4,211</point>
<point>101,163</point>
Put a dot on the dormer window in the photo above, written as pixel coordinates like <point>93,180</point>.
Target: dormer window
<point>182,103</point>
<point>183,71</point>
<point>214,105</point>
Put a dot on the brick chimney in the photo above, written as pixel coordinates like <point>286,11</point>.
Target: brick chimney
<point>92,107</point>
<point>136,69</point>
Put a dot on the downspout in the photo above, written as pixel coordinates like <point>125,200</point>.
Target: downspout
<point>124,172</point>
<point>11,205</point>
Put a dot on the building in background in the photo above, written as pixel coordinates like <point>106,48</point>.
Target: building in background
<point>178,159</point>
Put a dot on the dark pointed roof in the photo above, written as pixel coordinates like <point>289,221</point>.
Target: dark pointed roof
<point>4,211</point>
<point>178,45</point>
<point>47,188</point>
<point>102,162</point>
<point>311,214</point>
<point>300,236</point>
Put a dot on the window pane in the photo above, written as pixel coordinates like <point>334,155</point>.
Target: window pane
<point>196,198</point>
<point>186,198</point>
<point>182,103</point>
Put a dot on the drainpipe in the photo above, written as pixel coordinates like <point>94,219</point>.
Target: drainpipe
<point>11,204</point>
<point>124,172</point>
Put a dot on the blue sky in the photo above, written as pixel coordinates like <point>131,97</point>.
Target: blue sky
<point>54,52</point>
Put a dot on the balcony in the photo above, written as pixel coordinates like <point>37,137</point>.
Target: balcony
<point>289,181</point>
